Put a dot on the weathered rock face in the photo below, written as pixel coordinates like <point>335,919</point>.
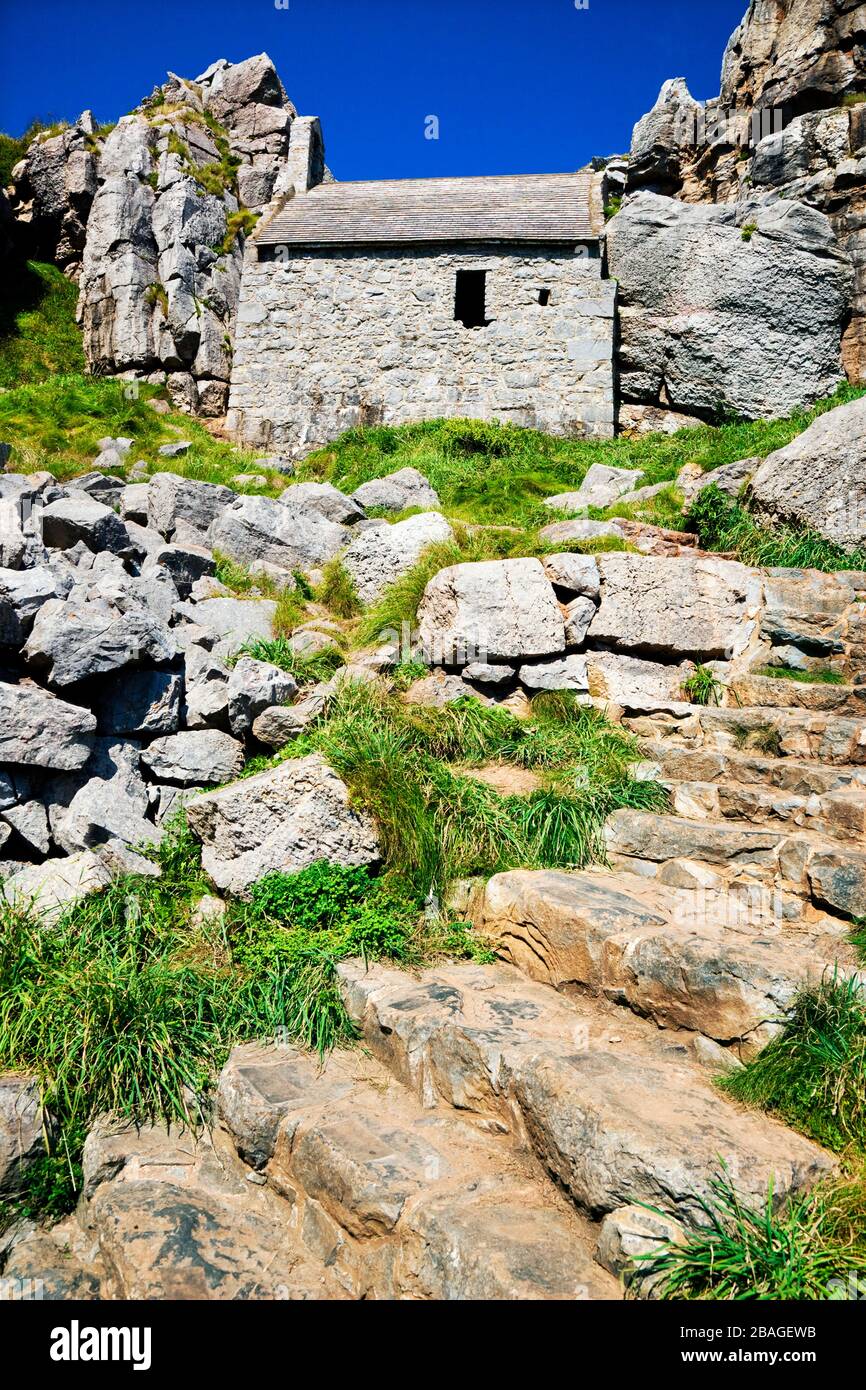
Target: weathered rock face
<point>380,555</point>
<point>280,821</point>
<point>153,217</point>
<point>818,481</point>
<point>53,189</point>
<point>736,307</point>
<point>493,610</point>
<point>716,603</point>
<point>21,1121</point>
<point>799,55</point>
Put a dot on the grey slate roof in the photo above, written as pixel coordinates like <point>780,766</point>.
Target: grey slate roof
<point>558,208</point>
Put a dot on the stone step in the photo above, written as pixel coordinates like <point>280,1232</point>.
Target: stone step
<point>721,963</point>
<point>778,693</point>
<point>792,733</point>
<point>399,1200</point>
<point>172,1215</point>
<point>616,1110</point>
<point>712,783</point>
<point>825,872</point>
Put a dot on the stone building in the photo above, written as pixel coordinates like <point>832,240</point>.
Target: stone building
<point>397,301</point>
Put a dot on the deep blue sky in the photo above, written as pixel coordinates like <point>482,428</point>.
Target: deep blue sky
<point>519,86</point>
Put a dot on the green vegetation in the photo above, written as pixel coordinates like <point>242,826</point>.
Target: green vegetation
<point>806,1252</point>
<point>612,207</point>
<point>337,590</point>
<point>55,425</point>
<point>788,673</point>
<point>307,668</point>
<point>763,738</point>
<point>408,766</point>
<point>813,1075</point>
<point>500,474</point>
<point>14,147</point>
<point>747,231</point>
<point>722,524</point>
<point>38,333</point>
<point>702,687</point>
<point>125,1006</point>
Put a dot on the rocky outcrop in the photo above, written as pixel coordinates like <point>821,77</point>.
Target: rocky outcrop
<point>789,123</point>
<point>152,217</point>
<point>817,482</point>
<point>736,308</point>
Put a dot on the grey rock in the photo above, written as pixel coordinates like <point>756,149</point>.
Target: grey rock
<point>324,498</point>
<point>21,1128</point>
<point>234,620</point>
<point>494,610</point>
<point>818,481</point>
<point>711,319</point>
<point>30,821</point>
<point>573,574</point>
<point>174,451</point>
<point>563,673</point>
<point>200,758</point>
<point>207,690</point>
<point>141,703</point>
<point>22,594</point>
<point>280,821</point>
<point>186,564</point>
<point>172,499</point>
<point>81,637</point>
<point>39,730</point>
<point>53,887</point>
<point>602,486</point>
<point>405,488</point>
<point>381,554</point>
<point>82,519</point>
<point>578,616</point>
<point>253,687</point>
<point>485,674</point>
<point>259,528</point>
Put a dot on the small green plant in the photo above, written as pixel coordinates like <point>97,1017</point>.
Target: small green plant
<point>763,738</point>
<point>307,669</point>
<point>747,1252</point>
<point>702,687</point>
<point>814,1074</point>
<point>612,207</point>
<point>157,294</point>
<point>240,223</point>
<point>747,231</point>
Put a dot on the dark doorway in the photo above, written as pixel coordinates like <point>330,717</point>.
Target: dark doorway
<point>544,297</point>
<point>469,297</point>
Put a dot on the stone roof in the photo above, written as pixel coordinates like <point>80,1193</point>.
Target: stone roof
<point>557,208</point>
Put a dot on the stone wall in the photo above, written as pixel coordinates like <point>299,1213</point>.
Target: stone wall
<point>332,339</point>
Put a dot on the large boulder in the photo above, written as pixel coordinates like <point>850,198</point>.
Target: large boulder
<point>253,687</point>
<point>702,607</point>
<point>818,481</point>
<point>39,730</point>
<point>259,528</point>
<point>80,518</point>
<point>493,610</point>
<point>22,594</point>
<point>381,554</point>
<point>58,884</point>
<point>324,498</point>
<point>280,821</point>
<point>405,488</point>
<point>172,499</point>
<point>90,634</point>
<point>234,621</point>
<point>737,307</point>
<point>194,758</point>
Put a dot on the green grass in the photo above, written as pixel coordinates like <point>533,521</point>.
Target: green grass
<point>723,525</point>
<point>55,425</point>
<point>406,765</point>
<point>122,1006</point>
<point>307,669</point>
<point>38,333</point>
<point>803,1253</point>
<point>788,673</point>
<point>813,1076</point>
<point>499,474</point>
<point>702,687</point>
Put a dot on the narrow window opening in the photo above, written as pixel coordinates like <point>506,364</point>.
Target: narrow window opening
<point>469,298</point>
<point>544,297</point>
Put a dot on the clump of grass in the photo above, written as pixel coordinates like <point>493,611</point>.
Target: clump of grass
<point>789,673</point>
<point>38,333</point>
<point>813,1075</point>
<point>746,1252</point>
<point>763,738</point>
<point>306,668</point>
<point>747,231</point>
<point>702,687</point>
<point>337,590</point>
<point>723,525</point>
<point>404,764</point>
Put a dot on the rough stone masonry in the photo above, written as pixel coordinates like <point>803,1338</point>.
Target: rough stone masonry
<point>388,303</point>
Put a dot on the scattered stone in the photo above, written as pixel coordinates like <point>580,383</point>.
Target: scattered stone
<point>140,703</point>
<point>602,486</point>
<point>253,687</point>
<point>73,519</point>
<point>562,673</point>
<point>490,611</point>
<point>324,498</point>
<point>381,554</point>
<point>280,821</point>
<point>260,528</point>
<point>195,758</point>
<point>393,493</point>
<point>21,1128</point>
<point>40,730</point>
<point>58,884</point>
